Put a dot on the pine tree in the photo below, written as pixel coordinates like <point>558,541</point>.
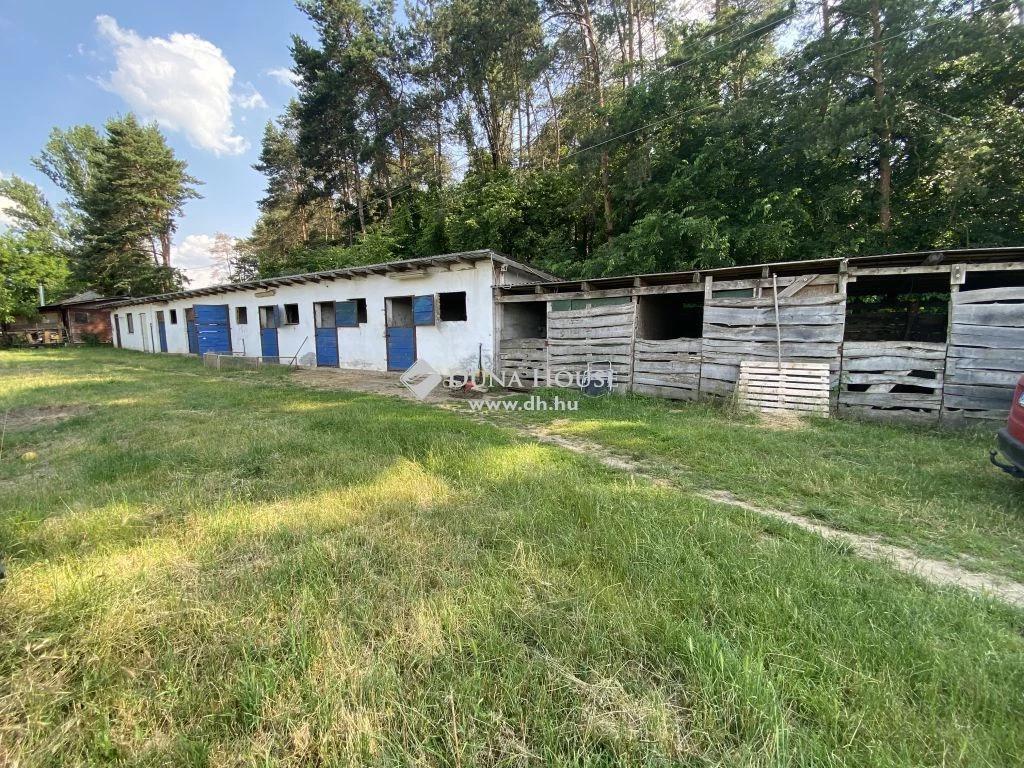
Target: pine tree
<point>130,208</point>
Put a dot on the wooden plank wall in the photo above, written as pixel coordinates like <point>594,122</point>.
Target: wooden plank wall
<point>874,369</point>
<point>523,357</point>
<point>668,368</point>
<point>744,329</point>
<point>969,378</point>
<point>579,336</point>
<point>986,353</point>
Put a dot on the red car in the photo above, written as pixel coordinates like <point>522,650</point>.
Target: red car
<point>1010,438</point>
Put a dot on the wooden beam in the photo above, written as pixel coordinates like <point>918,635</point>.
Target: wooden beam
<point>801,282</point>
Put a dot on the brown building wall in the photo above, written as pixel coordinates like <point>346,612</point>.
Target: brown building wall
<point>89,321</point>
<point>42,329</point>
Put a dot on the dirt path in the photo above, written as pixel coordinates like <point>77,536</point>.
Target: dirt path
<point>936,572</point>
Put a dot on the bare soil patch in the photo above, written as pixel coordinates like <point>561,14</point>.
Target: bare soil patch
<point>37,416</point>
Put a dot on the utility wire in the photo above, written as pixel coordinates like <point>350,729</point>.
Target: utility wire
<point>659,121</point>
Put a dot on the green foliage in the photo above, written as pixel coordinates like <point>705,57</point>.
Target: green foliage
<point>27,260</point>
<point>601,138</point>
<point>135,193</point>
<point>32,250</point>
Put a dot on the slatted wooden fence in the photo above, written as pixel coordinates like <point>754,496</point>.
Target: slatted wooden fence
<point>667,368</point>
<point>579,336</point>
<point>986,353</point>
<point>892,379</point>
<point>811,328</point>
<point>524,358</point>
<point>789,386</point>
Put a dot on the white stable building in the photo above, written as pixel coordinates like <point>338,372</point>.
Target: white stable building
<point>377,317</point>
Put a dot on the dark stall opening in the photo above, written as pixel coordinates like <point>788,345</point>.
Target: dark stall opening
<point>898,308</point>
<point>524,320</point>
<point>671,316</point>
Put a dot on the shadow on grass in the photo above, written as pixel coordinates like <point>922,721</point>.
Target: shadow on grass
<point>317,577</point>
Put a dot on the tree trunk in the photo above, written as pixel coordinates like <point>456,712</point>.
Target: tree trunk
<point>884,130</point>
<point>555,118</point>
<point>595,52</point>
<point>165,248</point>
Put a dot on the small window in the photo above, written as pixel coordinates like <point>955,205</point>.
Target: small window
<point>241,316</point>
<point>360,310</point>
<point>131,322</point>
<point>270,317</point>
<point>324,314</point>
<point>81,317</point>
<point>291,314</point>
<point>174,317</point>
<point>452,305</point>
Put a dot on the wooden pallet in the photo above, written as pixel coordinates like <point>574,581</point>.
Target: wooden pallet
<point>789,386</point>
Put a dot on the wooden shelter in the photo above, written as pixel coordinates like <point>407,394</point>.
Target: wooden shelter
<point>929,337</point>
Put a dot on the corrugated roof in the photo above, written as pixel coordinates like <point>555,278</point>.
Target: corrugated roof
<point>339,274</point>
<point>85,297</point>
<point>825,266</point>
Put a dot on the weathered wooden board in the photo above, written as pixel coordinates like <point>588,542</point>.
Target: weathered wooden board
<point>824,314</point>
<point>590,332</point>
<point>600,313</point>
<point>792,301</point>
<point>1004,315</point>
<point>922,349</point>
<point>794,386</point>
<point>526,358</point>
<point>988,337</point>
<point>644,387</point>
<point>876,375</point>
<point>989,295</point>
<point>668,346</point>
<point>790,333</point>
<point>986,355</point>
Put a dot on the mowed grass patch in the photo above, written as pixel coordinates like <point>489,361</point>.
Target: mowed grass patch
<point>212,569</point>
<point>932,490</point>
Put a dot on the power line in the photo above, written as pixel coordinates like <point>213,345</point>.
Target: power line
<point>681,113</point>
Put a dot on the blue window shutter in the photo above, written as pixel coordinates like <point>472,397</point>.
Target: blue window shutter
<point>278,313</point>
<point>423,310</point>
<point>346,314</point>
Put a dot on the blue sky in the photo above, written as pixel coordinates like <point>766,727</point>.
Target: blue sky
<point>210,72</point>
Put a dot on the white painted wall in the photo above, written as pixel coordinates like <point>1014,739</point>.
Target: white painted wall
<point>450,346</point>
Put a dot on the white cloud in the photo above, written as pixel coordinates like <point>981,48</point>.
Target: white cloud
<point>196,257</point>
<point>284,76</point>
<point>6,219</point>
<point>249,98</point>
<point>182,81</point>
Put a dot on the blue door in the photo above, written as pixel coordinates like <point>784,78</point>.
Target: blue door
<point>268,344</point>
<point>401,348</point>
<point>213,328</point>
<point>163,331</point>
<point>326,334</point>
<point>327,347</point>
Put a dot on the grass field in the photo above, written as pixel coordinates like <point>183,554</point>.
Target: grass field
<point>230,569</point>
<point>932,490</point>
